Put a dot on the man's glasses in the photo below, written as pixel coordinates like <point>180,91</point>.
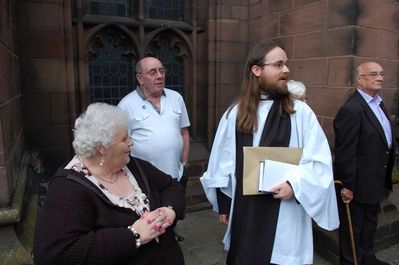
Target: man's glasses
<point>375,74</point>
<point>153,72</point>
<point>278,65</point>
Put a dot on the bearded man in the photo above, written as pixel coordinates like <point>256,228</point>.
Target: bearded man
<point>270,228</point>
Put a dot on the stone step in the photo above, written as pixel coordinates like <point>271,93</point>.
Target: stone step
<point>387,234</point>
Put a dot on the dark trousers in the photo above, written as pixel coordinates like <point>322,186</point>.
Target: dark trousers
<point>364,223</point>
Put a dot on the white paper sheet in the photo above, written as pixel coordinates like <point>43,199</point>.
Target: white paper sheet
<point>273,173</point>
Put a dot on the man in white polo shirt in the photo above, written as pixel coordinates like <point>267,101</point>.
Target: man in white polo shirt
<point>159,120</point>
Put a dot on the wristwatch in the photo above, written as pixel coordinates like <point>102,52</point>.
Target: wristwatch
<point>136,236</point>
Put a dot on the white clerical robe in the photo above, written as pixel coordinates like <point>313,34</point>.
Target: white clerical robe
<point>311,181</point>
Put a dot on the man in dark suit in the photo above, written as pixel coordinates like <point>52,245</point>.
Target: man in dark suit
<point>364,158</point>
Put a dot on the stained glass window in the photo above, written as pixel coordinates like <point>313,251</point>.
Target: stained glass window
<point>110,70</point>
<point>108,7</point>
<point>173,63</point>
<point>165,9</point>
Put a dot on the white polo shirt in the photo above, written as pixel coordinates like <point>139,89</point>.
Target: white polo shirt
<point>157,136</point>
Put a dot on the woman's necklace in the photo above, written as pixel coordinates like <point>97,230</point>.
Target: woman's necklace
<point>106,180</point>
<point>91,172</point>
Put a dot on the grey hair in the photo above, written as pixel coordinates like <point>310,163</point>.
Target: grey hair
<point>139,67</point>
<point>96,127</point>
<point>296,88</point>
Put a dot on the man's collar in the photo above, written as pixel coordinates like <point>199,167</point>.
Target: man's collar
<point>369,98</point>
<point>141,93</point>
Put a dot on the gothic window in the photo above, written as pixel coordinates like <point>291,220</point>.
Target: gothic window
<point>110,68</point>
<point>165,9</point>
<point>108,7</point>
<point>168,53</point>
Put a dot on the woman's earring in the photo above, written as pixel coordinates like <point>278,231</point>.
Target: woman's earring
<point>102,161</point>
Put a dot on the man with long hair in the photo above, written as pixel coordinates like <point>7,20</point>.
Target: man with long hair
<point>273,228</point>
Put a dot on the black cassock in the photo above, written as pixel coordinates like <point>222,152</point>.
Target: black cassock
<point>255,216</point>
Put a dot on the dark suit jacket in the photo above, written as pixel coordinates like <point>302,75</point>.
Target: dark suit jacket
<point>363,160</point>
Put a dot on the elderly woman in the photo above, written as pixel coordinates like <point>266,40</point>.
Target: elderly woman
<point>297,90</point>
<point>105,207</point>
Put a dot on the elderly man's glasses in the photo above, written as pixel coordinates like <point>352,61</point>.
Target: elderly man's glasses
<point>153,72</point>
<point>374,74</point>
<point>278,65</point>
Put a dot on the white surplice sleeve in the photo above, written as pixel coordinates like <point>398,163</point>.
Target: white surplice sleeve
<point>312,181</point>
<point>221,165</point>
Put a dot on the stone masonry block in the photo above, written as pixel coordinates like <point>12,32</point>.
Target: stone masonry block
<point>388,46</point>
<point>390,98</point>
<point>36,109</point>
<point>234,52</point>
<point>59,108</point>
<point>228,93</point>
<point>254,28</point>
<point>269,26</point>
<point>5,74</point>
<point>244,32</point>
<point>226,11</point>
<point>41,44</point>
<point>4,24</point>
<point>52,21</point>
<point>211,30</point>
<point>229,29</point>
<point>28,72</point>
<point>263,27</point>
<point>328,128</point>
<point>239,12</point>
<point>392,70</point>
<point>339,42</point>
<point>288,45</point>
<point>327,43</point>
<point>340,72</point>
<point>280,5</point>
<point>342,13</point>
<point>304,19</point>
<point>378,14</point>
<point>21,17</point>
<point>49,75</point>
<point>319,99</point>
<point>11,123</point>
<point>229,73</point>
<point>312,72</point>
<point>257,10</point>
<point>10,37</point>
<point>366,42</point>
<point>5,192</point>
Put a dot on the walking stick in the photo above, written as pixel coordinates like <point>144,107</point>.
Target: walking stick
<point>348,214</point>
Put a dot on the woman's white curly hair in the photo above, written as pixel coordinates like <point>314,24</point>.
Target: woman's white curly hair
<point>297,89</point>
<point>96,127</point>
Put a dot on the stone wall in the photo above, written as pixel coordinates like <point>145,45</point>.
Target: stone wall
<point>11,133</point>
<point>326,40</point>
<point>44,40</point>
<point>227,49</point>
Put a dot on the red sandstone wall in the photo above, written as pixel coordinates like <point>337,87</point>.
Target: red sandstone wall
<point>11,134</point>
<point>227,49</point>
<point>45,46</point>
<point>326,40</point>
